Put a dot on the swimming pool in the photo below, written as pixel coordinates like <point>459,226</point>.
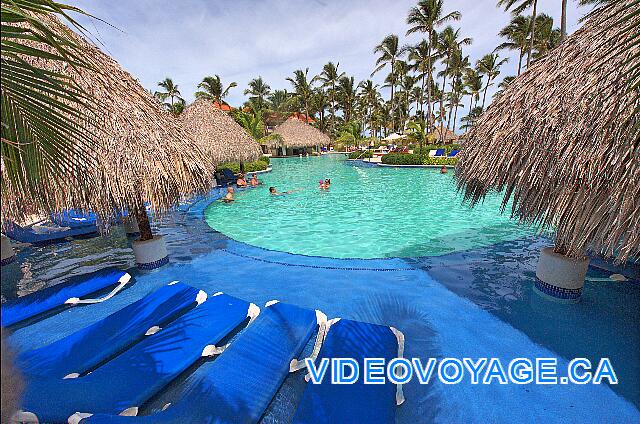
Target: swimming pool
<point>369,212</point>
<point>476,302</point>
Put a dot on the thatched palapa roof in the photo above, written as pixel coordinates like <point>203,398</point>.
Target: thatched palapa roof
<point>564,143</point>
<point>141,152</point>
<point>222,138</point>
<point>296,133</point>
<point>444,134</point>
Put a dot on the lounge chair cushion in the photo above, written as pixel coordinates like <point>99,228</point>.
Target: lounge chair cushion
<point>86,348</point>
<point>53,297</point>
<point>239,385</point>
<point>133,377</point>
<point>358,402</point>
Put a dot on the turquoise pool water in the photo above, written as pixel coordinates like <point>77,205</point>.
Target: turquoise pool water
<point>369,212</point>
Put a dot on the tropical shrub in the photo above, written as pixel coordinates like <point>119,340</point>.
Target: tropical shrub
<point>415,159</point>
<point>258,165</point>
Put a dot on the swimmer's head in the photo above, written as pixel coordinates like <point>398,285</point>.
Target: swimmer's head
<point>272,189</point>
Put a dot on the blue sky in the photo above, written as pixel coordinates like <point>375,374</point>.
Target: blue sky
<point>242,39</point>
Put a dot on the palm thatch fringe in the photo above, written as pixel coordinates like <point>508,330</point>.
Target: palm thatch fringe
<point>563,142</point>
<point>222,138</point>
<point>140,151</point>
<point>296,133</point>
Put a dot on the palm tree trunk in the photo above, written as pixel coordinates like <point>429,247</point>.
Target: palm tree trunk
<point>393,83</point>
<point>533,31</point>
<point>140,213</point>
<point>422,97</point>
<point>520,61</point>
<point>484,96</point>
<point>563,21</point>
<point>455,117</point>
<point>333,106</point>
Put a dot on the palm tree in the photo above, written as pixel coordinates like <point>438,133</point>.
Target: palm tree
<point>390,52</point>
<point>320,103</point>
<point>280,101</point>
<point>252,123</point>
<point>44,114</point>
<point>258,91</point>
<point>302,87</point>
<point>517,35</point>
<point>473,85</point>
<point>370,98</point>
<point>421,62</point>
<point>213,89</point>
<point>503,84</point>
<point>350,134</point>
<point>470,119</point>
<point>449,46</point>
<point>426,17</point>
<point>489,65</point>
<point>517,7</point>
<point>547,37</point>
<point>329,78</point>
<point>170,92</point>
<point>418,130</point>
<point>347,96</point>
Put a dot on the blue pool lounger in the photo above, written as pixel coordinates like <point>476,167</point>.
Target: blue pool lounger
<point>239,385</point>
<point>85,349</point>
<point>453,153</point>
<point>124,383</point>
<point>44,234</point>
<point>68,293</point>
<point>358,402</point>
<point>73,219</point>
<point>439,152</point>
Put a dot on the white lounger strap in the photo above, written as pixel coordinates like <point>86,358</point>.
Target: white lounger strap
<point>400,337</point>
<point>24,417</point>
<point>321,318</point>
<point>122,282</point>
<point>253,312</point>
<point>77,417</point>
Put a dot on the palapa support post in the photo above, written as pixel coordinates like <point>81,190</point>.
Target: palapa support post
<point>7,254</point>
<point>150,251</point>
<point>560,276</point>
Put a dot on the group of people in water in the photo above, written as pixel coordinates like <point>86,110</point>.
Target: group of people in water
<point>241,182</point>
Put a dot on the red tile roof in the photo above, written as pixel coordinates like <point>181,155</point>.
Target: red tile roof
<point>224,106</point>
<point>302,117</point>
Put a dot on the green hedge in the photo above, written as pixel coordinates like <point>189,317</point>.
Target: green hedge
<point>359,154</point>
<point>414,159</point>
<point>258,165</point>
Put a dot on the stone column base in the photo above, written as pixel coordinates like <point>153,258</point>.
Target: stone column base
<point>150,254</point>
<point>560,276</point>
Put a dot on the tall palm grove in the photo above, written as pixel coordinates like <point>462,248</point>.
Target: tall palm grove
<point>432,84</point>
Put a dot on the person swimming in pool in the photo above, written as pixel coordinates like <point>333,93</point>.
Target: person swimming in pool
<point>228,198</point>
<point>274,192</point>
<point>241,182</point>
<point>443,170</point>
<point>327,183</point>
<point>254,181</point>
<point>322,185</point>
